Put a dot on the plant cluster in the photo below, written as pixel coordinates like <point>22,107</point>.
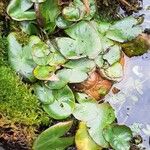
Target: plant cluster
<point>72,58</point>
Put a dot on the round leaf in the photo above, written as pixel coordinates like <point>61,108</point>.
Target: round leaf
<point>44,72</point>
<point>118,136</point>
<point>63,105</point>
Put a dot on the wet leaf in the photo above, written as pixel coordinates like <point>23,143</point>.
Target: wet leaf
<point>19,10</point>
<point>52,137</point>
<point>97,117</point>
<point>44,94</point>
<point>20,58</point>
<point>124,30</point>
<point>83,139</point>
<point>44,72</point>
<point>63,105</point>
<point>87,39</point>
<point>118,136</point>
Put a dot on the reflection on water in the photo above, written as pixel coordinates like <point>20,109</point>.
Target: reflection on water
<point>132,103</point>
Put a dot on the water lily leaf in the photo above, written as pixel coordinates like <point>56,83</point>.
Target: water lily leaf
<point>113,55</point>
<point>52,137</point>
<point>83,139</point>
<point>41,53</point>
<point>97,117</point>
<point>44,72</point>
<point>63,105</point>
<point>72,75</point>
<point>124,30</point>
<point>20,57</point>
<point>44,94</point>
<point>87,39</point>
<point>118,136</point>
<point>49,11</point>
<point>114,72</point>
<point>19,10</point>
<point>83,64</point>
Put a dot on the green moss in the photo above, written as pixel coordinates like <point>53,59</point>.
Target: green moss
<point>16,101</point>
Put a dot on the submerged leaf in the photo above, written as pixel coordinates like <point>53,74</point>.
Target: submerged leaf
<point>83,139</point>
<point>52,138</point>
<point>118,136</point>
<point>97,117</point>
<point>19,10</point>
<point>63,105</point>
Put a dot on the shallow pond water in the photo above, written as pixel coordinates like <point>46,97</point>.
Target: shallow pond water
<point>132,103</point>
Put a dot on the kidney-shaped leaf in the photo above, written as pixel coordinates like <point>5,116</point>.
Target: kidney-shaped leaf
<point>19,10</point>
<point>97,117</point>
<point>118,136</point>
<point>51,139</point>
<point>87,38</point>
<point>20,57</point>
<point>83,139</point>
<point>124,30</point>
<point>63,105</point>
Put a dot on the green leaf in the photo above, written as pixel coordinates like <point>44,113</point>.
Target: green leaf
<point>51,139</point>
<point>29,27</point>
<point>97,117</point>
<point>124,30</point>
<point>119,136</point>
<point>63,105</point>
<point>114,72</point>
<point>113,55</point>
<point>99,61</point>
<point>68,48</point>
<point>49,11</point>
<point>44,94</point>
<point>20,58</point>
<point>41,53</point>
<point>83,139</point>
<point>62,23</point>
<point>83,64</point>
<point>87,39</point>
<point>19,10</point>
<point>43,72</point>
<point>72,75</point>
<point>56,59</point>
